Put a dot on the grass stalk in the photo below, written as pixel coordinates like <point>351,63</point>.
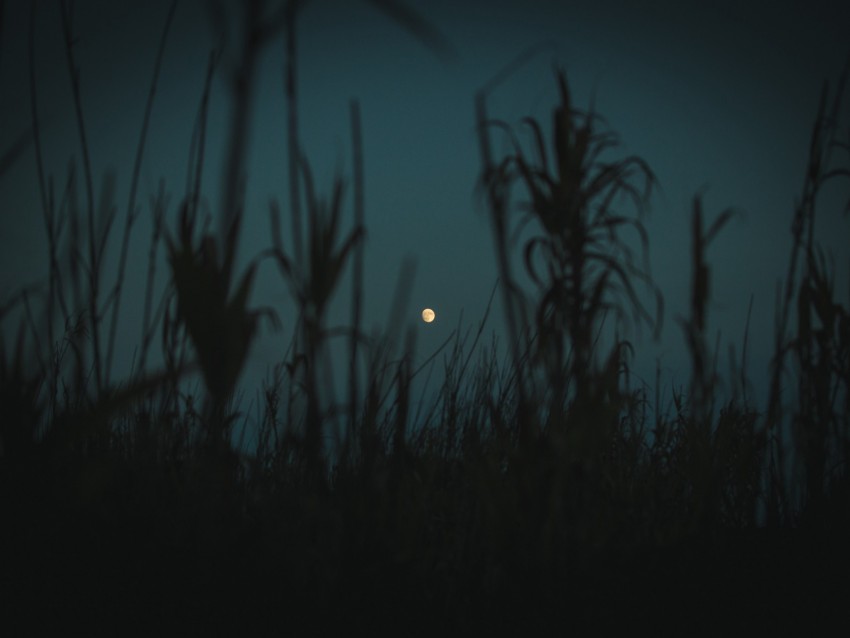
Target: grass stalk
<point>94,256</point>
<point>132,213</point>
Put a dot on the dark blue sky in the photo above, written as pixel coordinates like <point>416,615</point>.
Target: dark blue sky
<point>718,97</point>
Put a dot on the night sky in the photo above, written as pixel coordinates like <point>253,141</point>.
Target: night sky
<point>718,97</point>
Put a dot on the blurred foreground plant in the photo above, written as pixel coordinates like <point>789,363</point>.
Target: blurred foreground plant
<point>578,259</point>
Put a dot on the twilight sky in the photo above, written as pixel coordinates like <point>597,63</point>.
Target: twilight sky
<point>718,97</point>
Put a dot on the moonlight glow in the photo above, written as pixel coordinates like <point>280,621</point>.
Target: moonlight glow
<point>428,315</point>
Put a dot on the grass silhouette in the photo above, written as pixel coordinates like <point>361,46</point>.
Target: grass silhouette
<point>538,493</point>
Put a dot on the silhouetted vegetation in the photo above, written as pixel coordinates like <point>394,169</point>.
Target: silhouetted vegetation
<point>542,491</point>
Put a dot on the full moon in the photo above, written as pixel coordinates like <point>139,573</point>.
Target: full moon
<point>428,315</point>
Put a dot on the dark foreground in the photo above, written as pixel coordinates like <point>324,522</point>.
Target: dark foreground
<point>118,550</point>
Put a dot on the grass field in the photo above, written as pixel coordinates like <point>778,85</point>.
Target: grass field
<point>544,492</point>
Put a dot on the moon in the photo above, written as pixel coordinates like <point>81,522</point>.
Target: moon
<point>428,315</point>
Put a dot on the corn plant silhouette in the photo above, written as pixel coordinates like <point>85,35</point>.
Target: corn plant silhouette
<point>219,324</point>
<point>819,350</point>
<point>721,455</point>
<point>578,260</point>
<point>313,280</point>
